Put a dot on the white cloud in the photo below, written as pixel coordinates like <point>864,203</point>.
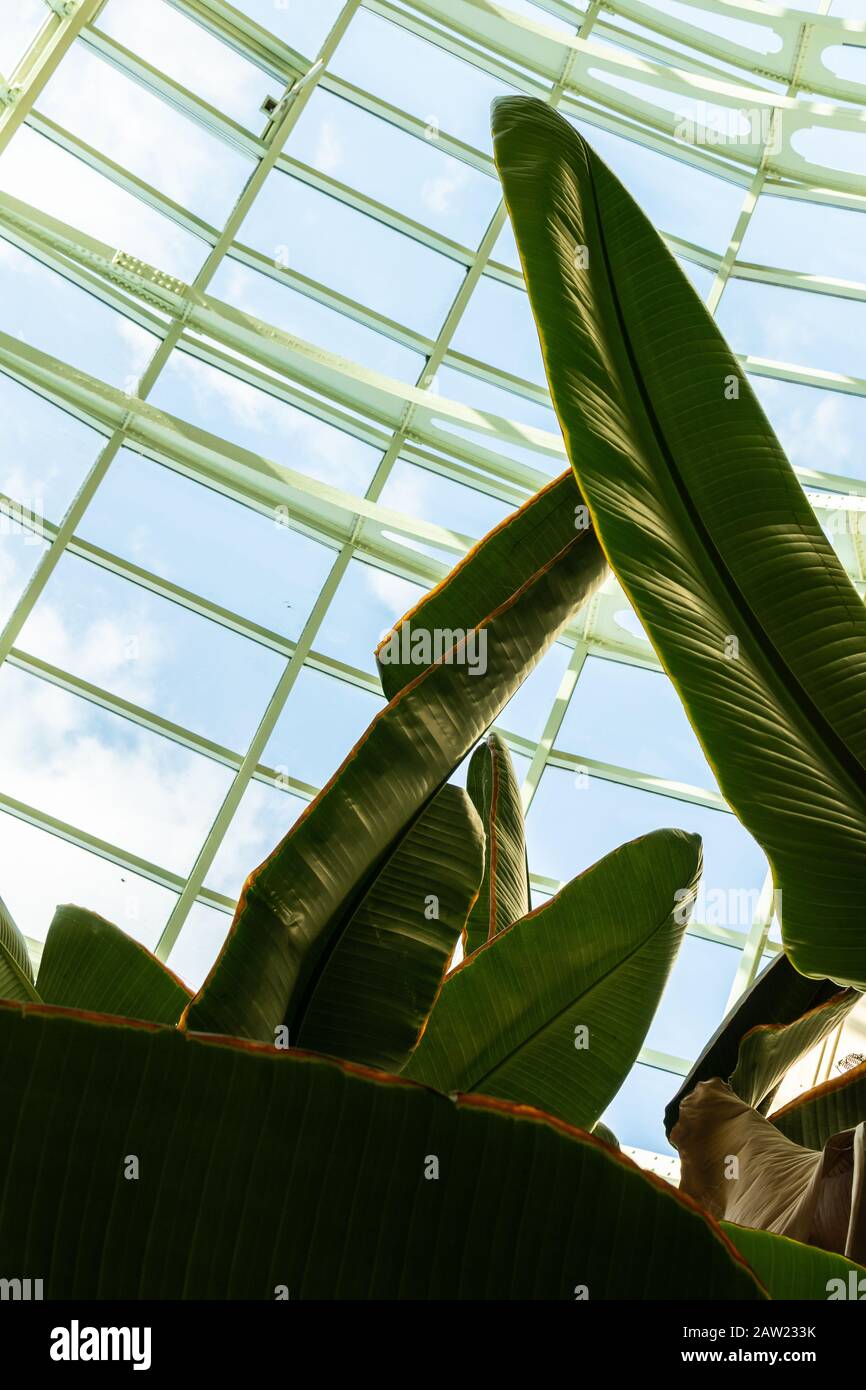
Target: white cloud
<point>103,775</point>
<point>117,116</point>
<point>329,149</point>
<point>285,434</point>
<point>40,871</point>
<point>185,51</point>
<point>21,23</point>
<point>40,173</point>
<point>438,194</point>
<point>100,773</point>
<point>408,493</point>
<point>18,558</point>
<point>397,594</point>
<point>121,651</point>
<point>814,426</point>
<point>246,405</point>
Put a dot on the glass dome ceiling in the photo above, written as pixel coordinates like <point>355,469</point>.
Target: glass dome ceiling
<point>214,503</point>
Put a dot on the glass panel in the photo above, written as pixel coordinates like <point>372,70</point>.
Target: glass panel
<point>804,236</point>
<point>199,944</point>
<point>50,313</point>
<point>848,60</point>
<point>701,278</point>
<point>603,721</point>
<point>812,330</point>
<point>817,429</point>
<point>575,820</point>
<point>122,638</point>
<point>174,154</point>
<point>204,542</point>
<point>675,196</point>
<point>695,998</point>
<point>21,23</point>
<point>186,52</point>
<point>367,603</point>
<point>104,775</point>
<point>21,549</point>
<point>412,176</point>
<point>823,147</point>
<point>296,313</point>
<point>39,172</point>
<point>636,1114</point>
<point>40,871</point>
<point>322,722</point>
<point>848,9</point>
<point>505,248</point>
<point>470,390</point>
<point>447,94</point>
<point>328,266</point>
<point>324,239</point>
<point>498,328</point>
<point>421,492</point>
<point>264,817</point>
<point>302,24</point>
<point>47,452</point>
<point>758,37</point>
<point>521,765</point>
<point>222,404</point>
<point>527,711</point>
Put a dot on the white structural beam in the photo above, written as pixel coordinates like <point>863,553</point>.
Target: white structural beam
<point>659,79</point>
<point>63,24</point>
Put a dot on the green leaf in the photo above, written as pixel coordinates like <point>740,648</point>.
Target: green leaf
<point>297,903</point>
<point>769,1051</point>
<point>376,989</point>
<point>706,526</point>
<point>16,970</point>
<point>90,964</point>
<point>509,1020</point>
<point>543,537</point>
<point>789,1269</point>
<point>263,1172</point>
<point>814,1117</point>
<point>504,894</point>
<point>776,1021</point>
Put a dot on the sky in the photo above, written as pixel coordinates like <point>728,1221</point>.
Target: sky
<point>130,787</point>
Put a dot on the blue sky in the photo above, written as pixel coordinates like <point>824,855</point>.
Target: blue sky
<point>80,763</point>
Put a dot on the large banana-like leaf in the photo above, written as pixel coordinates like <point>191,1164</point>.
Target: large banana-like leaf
<point>16,971</point>
<point>142,1162</point>
<point>90,964</point>
<point>778,1020</point>
<point>376,988</point>
<point>532,542</point>
<point>791,1270</point>
<point>814,1117</point>
<point>769,1051</point>
<point>706,525</point>
<point>554,1009</point>
<point>739,1167</point>
<point>518,595</point>
<point>504,895</point>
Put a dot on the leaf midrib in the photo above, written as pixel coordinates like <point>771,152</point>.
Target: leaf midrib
<point>595,984</point>
<point>835,744</point>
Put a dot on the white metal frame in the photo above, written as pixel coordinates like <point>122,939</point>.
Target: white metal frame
<point>793,87</point>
